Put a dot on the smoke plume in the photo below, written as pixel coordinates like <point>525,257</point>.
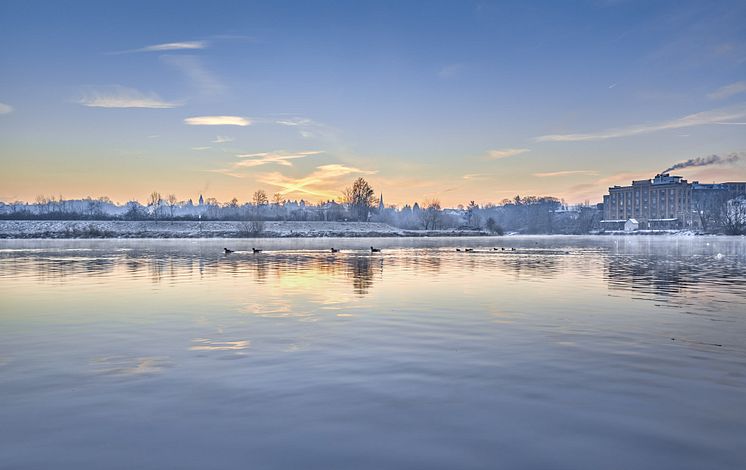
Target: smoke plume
<point>704,161</point>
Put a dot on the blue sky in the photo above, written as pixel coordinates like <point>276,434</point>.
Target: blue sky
<point>455,100</point>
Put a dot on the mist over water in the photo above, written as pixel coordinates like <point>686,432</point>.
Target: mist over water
<point>567,352</point>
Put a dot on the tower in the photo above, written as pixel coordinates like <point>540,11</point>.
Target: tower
<point>380,204</point>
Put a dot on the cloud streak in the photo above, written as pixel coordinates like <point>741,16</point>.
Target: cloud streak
<point>217,121</point>
<point>279,157</point>
<point>715,116</point>
<point>5,108</point>
<point>505,153</point>
<point>123,97</point>
<point>168,46</point>
<point>728,90</point>
<point>322,182</point>
<point>296,121</point>
<point>196,72</point>
<point>308,128</point>
<point>476,176</point>
<point>553,174</point>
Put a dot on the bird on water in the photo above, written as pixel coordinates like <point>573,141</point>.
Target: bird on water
<point>375,250</point>
<point>335,250</point>
<point>256,250</point>
<point>227,251</point>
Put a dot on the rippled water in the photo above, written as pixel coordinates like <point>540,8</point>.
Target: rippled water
<point>567,353</point>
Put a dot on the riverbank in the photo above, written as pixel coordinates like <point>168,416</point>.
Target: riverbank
<point>60,229</point>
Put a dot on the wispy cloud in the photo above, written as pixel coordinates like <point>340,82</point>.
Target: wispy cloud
<point>221,139</point>
<point>322,182</point>
<point>505,153</point>
<point>197,73</point>
<point>296,121</point>
<point>279,157</point>
<point>566,173</point>
<point>450,71</point>
<point>476,176</point>
<point>123,97</point>
<point>217,121</point>
<point>200,148</point>
<point>308,128</point>
<point>252,160</point>
<point>728,90</point>
<point>706,117</point>
<point>5,108</point>
<point>168,46</point>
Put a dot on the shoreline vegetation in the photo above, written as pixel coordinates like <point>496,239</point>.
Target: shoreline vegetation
<point>102,229</point>
<point>62,229</point>
<point>359,213</point>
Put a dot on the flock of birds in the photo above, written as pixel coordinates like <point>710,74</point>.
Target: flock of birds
<point>372,250</point>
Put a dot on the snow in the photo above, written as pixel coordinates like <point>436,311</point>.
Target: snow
<point>205,229</point>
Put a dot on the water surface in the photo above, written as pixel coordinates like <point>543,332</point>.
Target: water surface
<point>554,352</point>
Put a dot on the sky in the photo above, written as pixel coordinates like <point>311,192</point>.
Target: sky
<point>454,100</point>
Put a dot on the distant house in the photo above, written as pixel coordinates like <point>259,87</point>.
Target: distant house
<point>631,225</point>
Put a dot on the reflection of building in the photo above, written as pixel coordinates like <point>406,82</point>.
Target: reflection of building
<point>663,203</point>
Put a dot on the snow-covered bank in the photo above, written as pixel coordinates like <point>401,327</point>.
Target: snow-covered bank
<point>219,229</point>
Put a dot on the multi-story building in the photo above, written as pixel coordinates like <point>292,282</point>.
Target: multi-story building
<point>665,202</point>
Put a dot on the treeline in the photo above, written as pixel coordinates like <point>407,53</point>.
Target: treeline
<point>528,214</point>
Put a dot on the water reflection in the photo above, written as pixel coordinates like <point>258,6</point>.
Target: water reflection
<point>443,359</point>
<point>643,266</point>
<point>128,366</point>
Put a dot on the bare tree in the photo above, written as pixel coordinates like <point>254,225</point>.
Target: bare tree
<point>172,202</point>
<point>260,198</point>
<point>710,207</point>
<point>360,197</point>
<point>155,200</point>
<point>277,198</point>
<point>251,229</point>
<point>41,203</point>
<point>734,218</point>
<point>213,207</point>
<point>431,214</point>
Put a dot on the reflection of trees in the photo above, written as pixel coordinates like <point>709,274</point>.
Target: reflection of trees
<point>361,271</point>
<point>54,268</point>
<point>174,266</point>
<point>534,265</point>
